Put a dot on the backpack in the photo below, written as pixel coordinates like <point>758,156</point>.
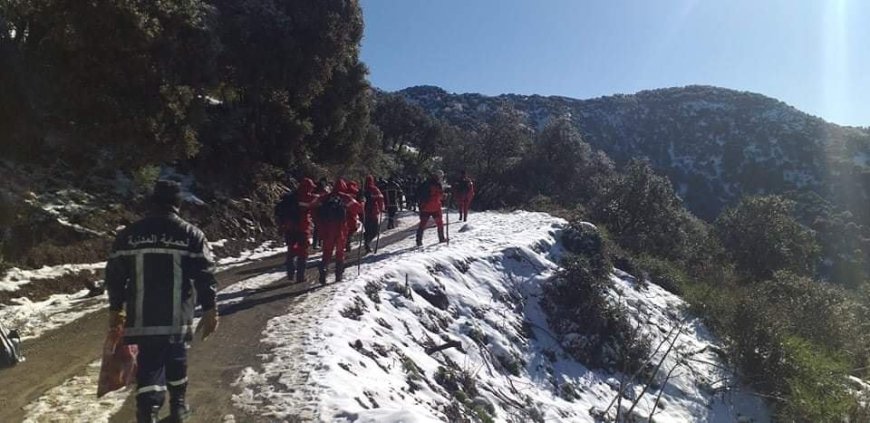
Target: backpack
<point>332,210</point>
<point>463,185</point>
<point>287,209</point>
<point>423,192</point>
<point>10,348</point>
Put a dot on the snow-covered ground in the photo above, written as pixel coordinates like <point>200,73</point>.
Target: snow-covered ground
<point>66,402</point>
<point>363,356</point>
<point>357,351</point>
<point>15,278</point>
<point>76,401</point>
<point>33,318</point>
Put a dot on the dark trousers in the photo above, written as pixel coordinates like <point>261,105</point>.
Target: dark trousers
<point>162,367</point>
<point>391,216</point>
<point>371,230</point>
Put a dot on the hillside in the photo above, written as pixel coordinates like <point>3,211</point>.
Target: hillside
<point>715,144</point>
<point>362,350</point>
<point>368,356</point>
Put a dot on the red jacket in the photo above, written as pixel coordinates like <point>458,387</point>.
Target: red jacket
<point>436,193</point>
<point>352,207</point>
<point>464,197</point>
<point>306,198</point>
<point>374,200</point>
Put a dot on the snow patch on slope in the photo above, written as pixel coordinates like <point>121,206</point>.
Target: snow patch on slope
<point>365,356</point>
<point>33,318</point>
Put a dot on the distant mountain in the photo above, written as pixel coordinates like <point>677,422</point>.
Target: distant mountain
<point>715,144</point>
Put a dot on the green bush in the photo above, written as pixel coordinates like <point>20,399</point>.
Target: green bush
<point>144,179</point>
<point>794,340</point>
<point>815,311</point>
<point>581,311</point>
<point>761,237</point>
<point>814,383</point>
<point>662,272</point>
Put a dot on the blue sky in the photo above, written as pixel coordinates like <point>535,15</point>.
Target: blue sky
<point>812,54</point>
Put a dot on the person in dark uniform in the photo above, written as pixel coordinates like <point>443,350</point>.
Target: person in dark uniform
<point>160,268</point>
<point>411,185</point>
<point>393,197</point>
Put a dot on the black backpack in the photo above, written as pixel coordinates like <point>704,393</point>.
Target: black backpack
<point>462,186</point>
<point>423,192</point>
<point>10,348</point>
<point>332,210</point>
<point>287,209</point>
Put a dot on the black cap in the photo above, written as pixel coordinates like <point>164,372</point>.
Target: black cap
<point>166,193</point>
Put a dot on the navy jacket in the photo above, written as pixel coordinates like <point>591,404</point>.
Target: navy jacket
<point>160,268</point>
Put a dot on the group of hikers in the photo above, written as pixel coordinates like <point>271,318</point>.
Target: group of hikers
<point>326,216</point>
<point>161,267</point>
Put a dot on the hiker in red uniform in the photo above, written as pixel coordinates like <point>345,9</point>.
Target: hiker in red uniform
<point>323,188</point>
<point>374,206</point>
<point>355,215</point>
<point>463,192</point>
<point>332,211</point>
<point>429,195</point>
<point>293,215</point>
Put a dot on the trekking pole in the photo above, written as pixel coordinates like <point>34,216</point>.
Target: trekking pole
<point>448,225</point>
<point>378,239</point>
<point>359,249</point>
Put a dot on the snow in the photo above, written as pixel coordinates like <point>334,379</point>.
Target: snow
<point>15,277</point>
<point>266,249</point>
<point>372,366</point>
<point>33,318</point>
<point>64,204</point>
<point>75,400</point>
<point>361,367</point>
<point>218,243</point>
<point>66,400</point>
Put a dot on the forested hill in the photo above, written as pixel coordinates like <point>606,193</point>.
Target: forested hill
<point>716,145</point>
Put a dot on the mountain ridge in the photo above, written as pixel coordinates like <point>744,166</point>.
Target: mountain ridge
<point>435,88</point>
<point>715,144</point>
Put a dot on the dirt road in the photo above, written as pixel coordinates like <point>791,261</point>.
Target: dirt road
<point>214,365</point>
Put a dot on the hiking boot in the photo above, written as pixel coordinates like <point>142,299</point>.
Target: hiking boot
<point>339,271</point>
<point>179,413</point>
<point>441,237</point>
<point>300,270</point>
<point>368,249</point>
<point>147,414</point>
<point>322,277</point>
<point>178,409</point>
<point>419,237</point>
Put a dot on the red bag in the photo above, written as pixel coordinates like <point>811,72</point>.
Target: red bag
<point>118,368</point>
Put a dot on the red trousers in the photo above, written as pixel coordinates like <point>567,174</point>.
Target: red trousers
<point>334,239</point>
<point>297,244</point>
<point>439,220</point>
<point>463,207</point>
